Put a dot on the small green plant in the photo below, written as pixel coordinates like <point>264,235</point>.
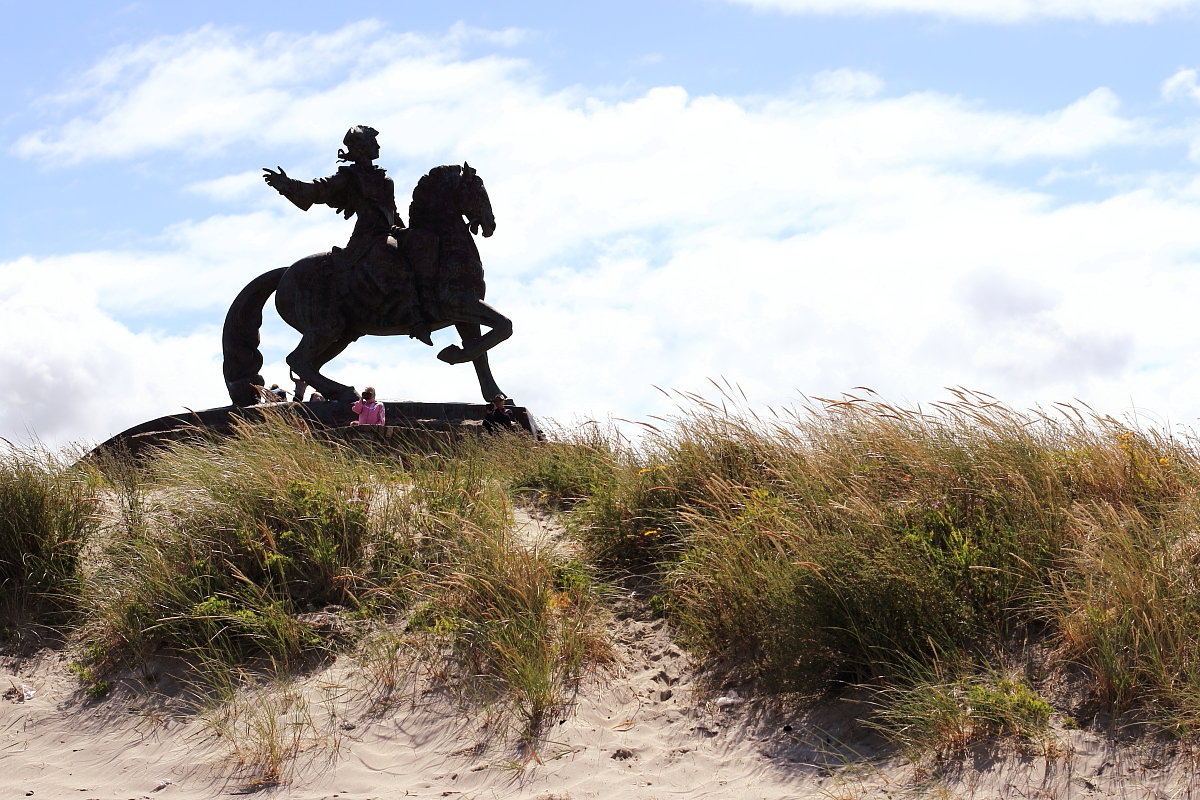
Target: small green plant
<point>560,472</point>
<point>98,689</point>
<point>929,716</point>
<point>93,687</point>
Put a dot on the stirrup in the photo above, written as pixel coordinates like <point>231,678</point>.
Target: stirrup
<point>422,335</point>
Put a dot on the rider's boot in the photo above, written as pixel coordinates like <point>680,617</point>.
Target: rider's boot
<point>424,326</point>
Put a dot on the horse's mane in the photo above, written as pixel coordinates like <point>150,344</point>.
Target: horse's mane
<point>431,191</point>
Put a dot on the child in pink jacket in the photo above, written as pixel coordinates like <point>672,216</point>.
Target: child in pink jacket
<point>369,412</point>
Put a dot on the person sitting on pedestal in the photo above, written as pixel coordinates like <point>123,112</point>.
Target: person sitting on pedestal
<point>499,417</point>
<point>369,411</point>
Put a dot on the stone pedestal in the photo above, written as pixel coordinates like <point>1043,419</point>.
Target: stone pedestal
<point>405,418</point>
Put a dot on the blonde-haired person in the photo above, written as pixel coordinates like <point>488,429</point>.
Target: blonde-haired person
<point>370,411</point>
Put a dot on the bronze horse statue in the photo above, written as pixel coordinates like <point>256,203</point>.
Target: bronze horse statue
<point>332,304</point>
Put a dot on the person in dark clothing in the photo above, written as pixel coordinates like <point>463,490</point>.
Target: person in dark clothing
<point>499,417</point>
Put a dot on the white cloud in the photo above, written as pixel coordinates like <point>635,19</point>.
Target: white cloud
<point>800,243</point>
<point>847,83</point>
<point>204,91</point>
<point>73,374</point>
<point>996,11</point>
<point>1184,86</point>
<point>1181,84</point>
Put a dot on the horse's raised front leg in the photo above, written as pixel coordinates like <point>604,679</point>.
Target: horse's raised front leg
<point>477,312</point>
<point>469,332</point>
<point>313,352</point>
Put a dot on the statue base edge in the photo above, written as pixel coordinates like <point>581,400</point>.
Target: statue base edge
<point>404,418</point>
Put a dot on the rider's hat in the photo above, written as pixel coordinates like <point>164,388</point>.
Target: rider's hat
<point>353,137</point>
<point>357,133</point>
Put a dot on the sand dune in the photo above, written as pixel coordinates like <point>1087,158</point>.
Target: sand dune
<point>646,728</point>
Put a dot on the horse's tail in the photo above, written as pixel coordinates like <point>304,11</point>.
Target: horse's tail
<point>240,339</point>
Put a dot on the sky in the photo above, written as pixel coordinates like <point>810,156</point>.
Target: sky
<point>793,197</point>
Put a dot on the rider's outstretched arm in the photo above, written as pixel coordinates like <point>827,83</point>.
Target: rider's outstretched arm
<point>304,194</point>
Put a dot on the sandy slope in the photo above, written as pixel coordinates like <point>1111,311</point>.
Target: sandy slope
<point>643,730</point>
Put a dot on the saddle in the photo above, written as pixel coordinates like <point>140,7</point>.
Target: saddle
<point>384,283</point>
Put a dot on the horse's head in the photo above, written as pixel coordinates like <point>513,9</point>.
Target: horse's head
<point>447,194</point>
<point>474,203</point>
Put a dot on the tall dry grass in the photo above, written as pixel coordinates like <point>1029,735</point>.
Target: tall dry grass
<point>914,550</point>
<point>524,623</point>
<point>850,540</point>
<point>48,515</point>
<point>231,540</point>
<point>275,546</point>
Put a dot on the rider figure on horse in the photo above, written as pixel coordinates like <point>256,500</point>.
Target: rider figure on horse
<point>365,191</point>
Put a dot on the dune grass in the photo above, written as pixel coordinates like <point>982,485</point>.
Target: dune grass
<point>917,552</point>
<point>522,622</point>
<point>854,541</point>
<point>935,714</point>
<point>234,539</point>
<point>267,551</point>
<point>48,515</point>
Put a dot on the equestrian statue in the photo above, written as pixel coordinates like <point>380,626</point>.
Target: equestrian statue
<point>388,279</point>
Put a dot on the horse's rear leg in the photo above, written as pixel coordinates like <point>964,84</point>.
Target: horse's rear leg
<point>470,332</point>
<point>313,353</point>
